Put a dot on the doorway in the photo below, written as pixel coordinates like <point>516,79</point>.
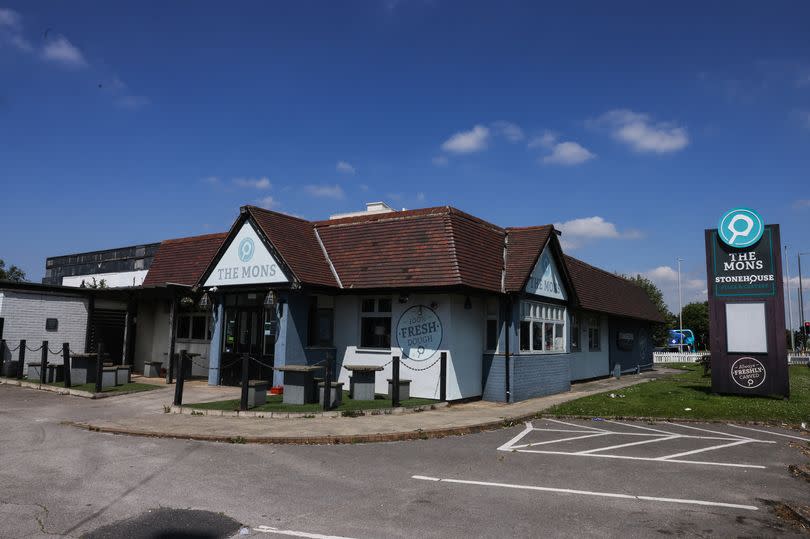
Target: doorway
<point>249,328</point>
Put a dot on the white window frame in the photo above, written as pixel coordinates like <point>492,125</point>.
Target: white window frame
<point>208,326</point>
<point>536,312</point>
<point>377,313</point>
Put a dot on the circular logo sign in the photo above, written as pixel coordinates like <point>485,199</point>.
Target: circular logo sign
<point>748,372</point>
<point>740,227</point>
<point>419,333</point>
<point>246,249</point>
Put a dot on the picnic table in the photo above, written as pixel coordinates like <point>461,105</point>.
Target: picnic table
<point>362,381</point>
<point>299,383</point>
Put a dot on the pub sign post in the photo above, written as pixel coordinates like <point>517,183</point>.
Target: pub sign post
<point>746,306</point>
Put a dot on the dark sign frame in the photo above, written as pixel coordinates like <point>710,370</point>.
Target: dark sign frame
<point>748,373</point>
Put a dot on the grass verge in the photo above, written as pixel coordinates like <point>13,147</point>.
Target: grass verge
<point>91,388</point>
<point>688,395</point>
<point>275,404</point>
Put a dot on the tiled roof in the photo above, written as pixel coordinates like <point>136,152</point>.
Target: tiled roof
<point>183,260</point>
<point>415,248</point>
<point>295,240</point>
<point>524,246</point>
<point>601,291</point>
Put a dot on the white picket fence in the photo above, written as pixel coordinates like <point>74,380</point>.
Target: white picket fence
<point>693,357</point>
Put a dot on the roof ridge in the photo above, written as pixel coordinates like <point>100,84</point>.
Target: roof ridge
<point>448,225</point>
<point>383,216</point>
<point>606,272</point>
<point>532,227</point>
<point>193,238</point>
<point>281,214</point>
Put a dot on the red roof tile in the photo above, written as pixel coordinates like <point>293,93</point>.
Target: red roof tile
<point>601,291</point>
<point>524,246</point>
<point>183,260</point>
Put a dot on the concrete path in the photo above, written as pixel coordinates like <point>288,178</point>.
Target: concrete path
<point>144,415</point>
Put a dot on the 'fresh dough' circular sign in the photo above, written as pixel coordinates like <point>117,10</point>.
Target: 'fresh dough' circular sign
<point>419,333</point>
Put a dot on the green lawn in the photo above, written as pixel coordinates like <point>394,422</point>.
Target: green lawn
<point>275,404</point>
<point>668,398</point>
<point>91,388</point>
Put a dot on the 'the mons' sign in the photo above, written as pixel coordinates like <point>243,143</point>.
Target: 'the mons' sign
<point>246,261</point>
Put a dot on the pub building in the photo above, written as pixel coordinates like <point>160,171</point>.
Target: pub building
<point>516,317</point>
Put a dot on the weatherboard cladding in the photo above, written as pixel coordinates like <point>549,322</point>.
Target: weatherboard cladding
<point>183,260</point>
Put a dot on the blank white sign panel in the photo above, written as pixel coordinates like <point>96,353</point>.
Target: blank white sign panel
<point>745,328</point>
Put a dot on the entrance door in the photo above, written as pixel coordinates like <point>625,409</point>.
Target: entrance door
<point>246,332</point>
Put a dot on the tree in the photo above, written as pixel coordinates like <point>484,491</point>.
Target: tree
<point>696,318</point>
<point>11,274</point>
<point>659,332</point>
<point>94,284</point>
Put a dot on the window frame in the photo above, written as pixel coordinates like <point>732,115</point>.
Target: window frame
<point>374,314</point>
<point>207,326</point>
<point>313,324</point>
<point>489,316</point>
<point>574,329</point>
<point>594,326</point>
<point>540,314</point>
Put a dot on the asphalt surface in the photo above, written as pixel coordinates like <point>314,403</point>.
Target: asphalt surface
<point>523,481</point>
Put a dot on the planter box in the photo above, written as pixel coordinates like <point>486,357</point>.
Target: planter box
<point>336,394</point>
<point>109,377</point>
<point>151,369</point>
<point>404,389</point>
<point>123,375</point>
<point>257,393</point>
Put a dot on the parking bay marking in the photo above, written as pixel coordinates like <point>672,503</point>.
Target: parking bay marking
<point>652,435</point>
<point>587,493</point>
<point>294,533</point>
<point>769,432</point>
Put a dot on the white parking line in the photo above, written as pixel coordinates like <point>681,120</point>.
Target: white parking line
<point>726,434</point>
<point>591,435</point>
<point>598,449</point>
<point>694,451</point>
<point>294,533</point>
<point>769,432</point>
<point>587,493</point>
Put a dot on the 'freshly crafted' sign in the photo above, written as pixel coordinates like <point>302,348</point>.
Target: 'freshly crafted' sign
<point>419,333</point>
<point>246,261</point>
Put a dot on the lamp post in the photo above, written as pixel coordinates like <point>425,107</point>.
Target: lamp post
<point>680,306</point>
<point>790,306</point>
<point>801,303</point>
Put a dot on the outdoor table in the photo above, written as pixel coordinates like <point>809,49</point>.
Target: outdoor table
<point>109,377</point>
<point>83,368</point>
<point>151,369</point>
<point>299,386</point>
<point>55,373</point>
<point>257,392</point>
<point>335,395</point>
<point>123,374</point>
<point>361,381</point>
<point>404,389</point>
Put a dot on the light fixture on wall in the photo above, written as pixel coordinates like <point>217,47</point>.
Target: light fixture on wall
<point>433,305</point>
<point>467,303</point>
<point>270,299</point>
<point>404,297</point>
<point>205,301</point>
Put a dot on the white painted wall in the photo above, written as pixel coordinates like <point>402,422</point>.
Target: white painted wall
<point>586,364</point>
<point>113,280</point>
<point>152,339</point>
<point>463,340</point>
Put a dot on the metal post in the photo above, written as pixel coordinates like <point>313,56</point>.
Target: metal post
<point>21,360</point>
<point>66,363</point>
<point>327,387</point>
<point>801,305</point>
<point>99,366</point>
<point>395,382</point>
<point>443,377</point>
<point>790,306</point>
<point>43,365</point>
<point>680,307</point>
<point>178,387</point>
<point>172,336</point>
<point>243,402</point>
<point>2,355</point>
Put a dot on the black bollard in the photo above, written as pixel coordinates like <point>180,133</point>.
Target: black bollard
<point>2,355</point>
<point>99,366</point>
<point>21,360</point>
<point>395,382</point>
<point>43,366</point>
<point>327,387</point>
<point>443,377</point>
<point>243,402</point>
<point>178,386</point>
<point>66,363</point>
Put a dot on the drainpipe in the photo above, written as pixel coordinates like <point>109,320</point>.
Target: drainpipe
<point>507,353</point>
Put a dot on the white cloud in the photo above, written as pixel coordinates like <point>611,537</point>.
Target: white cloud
<point>641,133</point>
<point>345,168</point>
<point>546,140</point>
<point>568,153</point>
<point>474,140</point>
<point>253,183</point>
<point>420,197</point>
<point>211,180</point>
<point>326,191</point>
<point>9,18</point>
<point>11,30</point>
<point>510,131</point>
<point>268,202</point>
<point>63,52</point>
<point>577,232</point>
<point>440,161</point>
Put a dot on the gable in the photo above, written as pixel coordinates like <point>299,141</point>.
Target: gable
<point>246,260</point>
<point>545,279</point>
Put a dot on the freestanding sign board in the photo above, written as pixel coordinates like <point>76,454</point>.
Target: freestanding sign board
<point>746,307</point>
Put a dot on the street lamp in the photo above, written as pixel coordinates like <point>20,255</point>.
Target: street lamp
<point>790,306</point>
<point>680,306</point>
<point>801,303</point>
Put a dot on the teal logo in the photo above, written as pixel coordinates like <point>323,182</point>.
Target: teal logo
<point>246,250</point>
<point>740,227</point>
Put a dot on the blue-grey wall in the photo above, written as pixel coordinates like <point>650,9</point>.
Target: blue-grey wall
<point>641,354</point>
<point>494,382</point>
<point>539,375</point>
<point>291,344</point>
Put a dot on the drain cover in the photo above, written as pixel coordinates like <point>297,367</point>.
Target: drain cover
<point>167,523</point>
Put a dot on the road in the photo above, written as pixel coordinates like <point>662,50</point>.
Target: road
<point>570,479</point>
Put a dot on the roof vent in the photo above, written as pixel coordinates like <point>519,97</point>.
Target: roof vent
<point>371,208</point>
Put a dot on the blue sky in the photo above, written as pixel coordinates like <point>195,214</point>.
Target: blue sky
<point>631,125</point>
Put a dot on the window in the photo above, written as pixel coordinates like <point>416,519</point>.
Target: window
<point>491,336</point>
<point>594,335</point>
<point>51,324</point>
<point>320,323</point>
<point>194,326</point>
<point>375,323</point>
<point>542,327</point>
<point>574,333</point>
